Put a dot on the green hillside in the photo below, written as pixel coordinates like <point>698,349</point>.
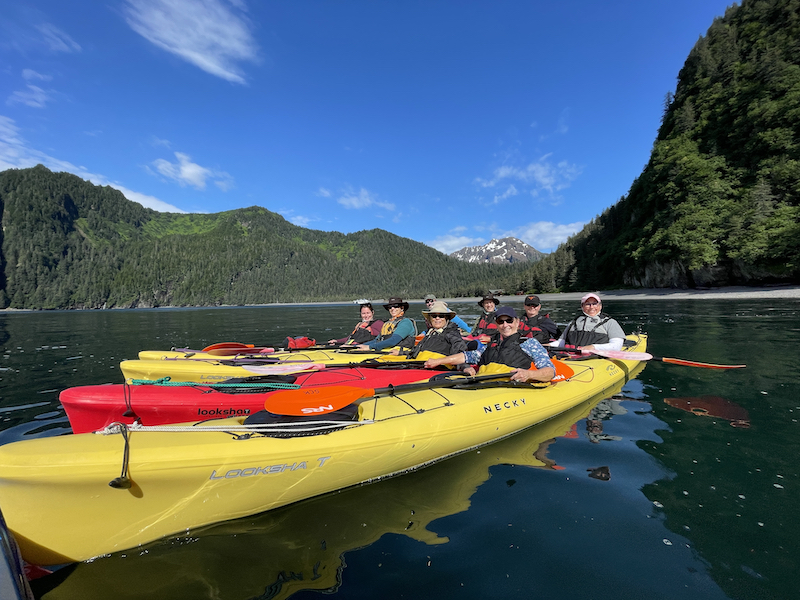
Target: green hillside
<point>718,201</point>
<point>67,243</point>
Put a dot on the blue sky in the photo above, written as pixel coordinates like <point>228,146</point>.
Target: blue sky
<point>448,122</point>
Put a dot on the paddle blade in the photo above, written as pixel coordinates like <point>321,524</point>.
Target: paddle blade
<point>307,401</point>
<point>563,371</point>
<point>284,368</point>
<point>621,354</point>
<point>227,345</point>
<point>692,363</point>
<point>237,350</point>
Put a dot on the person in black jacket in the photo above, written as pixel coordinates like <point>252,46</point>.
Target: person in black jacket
<point>535,325</point>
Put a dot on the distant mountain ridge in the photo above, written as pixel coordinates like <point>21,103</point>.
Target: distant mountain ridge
<point>503,251</point>
<point>66,243</point>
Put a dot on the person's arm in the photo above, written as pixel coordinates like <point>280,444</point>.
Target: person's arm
<point>404,329</point>
<point>544,369</point>
<point>461,324</point>
<point>616,338</point>
<point>458,358</point>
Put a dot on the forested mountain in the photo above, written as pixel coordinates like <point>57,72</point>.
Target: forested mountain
<point>67,243</point>
<point>718,202</point>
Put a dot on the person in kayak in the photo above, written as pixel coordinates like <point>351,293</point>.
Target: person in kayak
<point>367,329</point>
<point>399,330</point>
<point>526,356</point>
<point>592,329</point>
<point>532,324</point>
<point>460,323</point>
<point>441,336</point>
<point>485,324</point>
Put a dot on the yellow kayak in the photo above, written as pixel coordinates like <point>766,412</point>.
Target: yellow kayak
<point>204,368</point>
<point>58,503</point>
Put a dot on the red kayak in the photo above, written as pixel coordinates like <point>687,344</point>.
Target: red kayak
<point>92,407</point>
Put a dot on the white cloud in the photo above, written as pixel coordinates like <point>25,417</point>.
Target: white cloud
<point>16,154</point>
<point>539,176</point>
<point>57,40</point>
<point>545,235</point>
<point>450,243</point>
<point>35,97</point>
<point>205,33</point>
<point>323,192</point>
<point>363,199</point>
<point>511,191</point>
<point>186,172</point>
<point>30,74</point>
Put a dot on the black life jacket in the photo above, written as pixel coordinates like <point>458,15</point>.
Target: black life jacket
<point>506,352</point>
<point>486,324</point>
<point>362,335</point>
<point>530,328</point>
<point>446,342</point>
<point>596,334</point>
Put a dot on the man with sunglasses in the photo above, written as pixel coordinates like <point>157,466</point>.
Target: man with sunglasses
<point>592,329</point>
<point>399,330</point>
<point>527,358</point>
<point>535,325</point>
<point>460,323</point>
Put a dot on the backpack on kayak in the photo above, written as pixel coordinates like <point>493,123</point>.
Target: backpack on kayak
<point>298,343</point>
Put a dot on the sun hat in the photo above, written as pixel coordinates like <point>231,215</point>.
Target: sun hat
<point>590,295</point>
<point>488,296</point>
<point>532,301</point>
<point>429,297</point>
<point>438,308</point>
<point>396,301</point>
<point>506,311</point>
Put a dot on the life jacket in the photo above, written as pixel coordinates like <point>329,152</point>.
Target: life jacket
<point>529,328</point>
<point>485,325</point>
<point>506,352</point>
<point>362,333</point>
<point>298,343</point>
<point>388,329</point>
<point>439,341</point>
<point>577,335</point>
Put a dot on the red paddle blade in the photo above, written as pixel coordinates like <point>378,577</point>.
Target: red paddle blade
<point>227,345</point>
<point>692,363</point>
<point>238,350</point>
<point>303,402</point>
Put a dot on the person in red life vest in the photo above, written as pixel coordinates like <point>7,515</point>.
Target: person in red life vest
<point>592,329</point>
<point>399,330</point>
<point>528,359</point>
<point>486,326</point>
<point>535,325</point>
<point>367,329</point>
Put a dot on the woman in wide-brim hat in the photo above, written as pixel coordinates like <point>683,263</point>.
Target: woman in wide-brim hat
<point>399,330</point>
<point>442,337</point>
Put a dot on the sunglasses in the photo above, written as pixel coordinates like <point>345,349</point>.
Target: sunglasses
<point>502,320</point>
<point>438,316</point>
<point>429,301</point>
<point>395,306</point>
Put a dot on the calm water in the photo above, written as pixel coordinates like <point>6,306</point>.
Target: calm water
<point>694,507</point>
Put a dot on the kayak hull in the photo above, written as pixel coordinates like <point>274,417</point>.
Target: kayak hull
<point>207,369</point>
<point>57,500</point>
<point>92,407</point>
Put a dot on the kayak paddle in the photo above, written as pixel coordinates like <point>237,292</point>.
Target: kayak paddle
<point>313,401</point>
<point>642,356</point>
